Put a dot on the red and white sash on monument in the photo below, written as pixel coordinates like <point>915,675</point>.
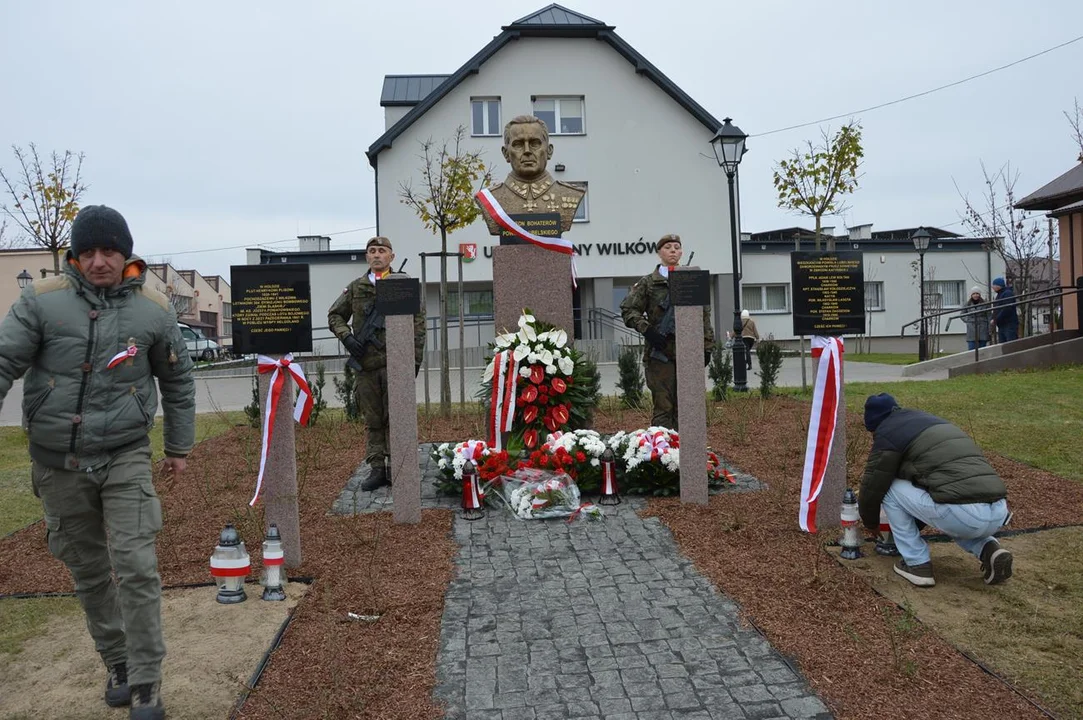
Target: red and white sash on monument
<point>502,402</point>
<point>821,429</point>
<point>501,218</point>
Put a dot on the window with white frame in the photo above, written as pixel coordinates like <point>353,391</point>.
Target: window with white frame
<point>950,292</point>
<point>874,295</point>
<point>581,213</point>
<point>485,116</point>
<point>766,298</point>
<point>561,115</point>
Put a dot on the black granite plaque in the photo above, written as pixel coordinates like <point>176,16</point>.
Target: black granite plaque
<point>828,293</point>
<point>689,287</point>
<point>546,225</point>
<point>272,309</point>
<point>398,296</point>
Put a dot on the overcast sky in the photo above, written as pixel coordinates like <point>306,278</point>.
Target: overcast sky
<point>217,125</point>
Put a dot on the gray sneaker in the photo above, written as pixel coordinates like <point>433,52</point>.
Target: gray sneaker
<point>920,575</point>
<point>117,692</point>
<point>996,563</point>
<point>147,702</point>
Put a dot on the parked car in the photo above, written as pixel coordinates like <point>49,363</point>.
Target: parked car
<point>199,347</point>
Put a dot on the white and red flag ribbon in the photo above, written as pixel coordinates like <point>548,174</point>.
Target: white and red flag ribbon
<point>821,429</point>
<point>122,356</point>
<point>501,218</point>
<point>301,409</point>
<point>502,400</point>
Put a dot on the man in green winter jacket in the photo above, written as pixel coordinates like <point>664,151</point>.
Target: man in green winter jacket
<point>90,342</point>
<point>922,470</point>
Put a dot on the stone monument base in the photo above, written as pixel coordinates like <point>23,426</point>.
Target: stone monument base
<point>525,276</point>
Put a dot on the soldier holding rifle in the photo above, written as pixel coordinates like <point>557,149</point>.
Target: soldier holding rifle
<point>647,310</point>
<point>368,353</point>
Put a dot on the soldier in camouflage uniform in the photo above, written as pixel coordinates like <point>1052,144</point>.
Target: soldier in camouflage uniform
<point>643,310</point>
<point>357,302</point>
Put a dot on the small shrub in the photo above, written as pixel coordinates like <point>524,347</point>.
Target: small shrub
<point>630,382</point>
<point>769,353</point>
<point>318,403</point>
<point>593,385</point>
<point>720,371</point>
<point>344,390</point>
<point>251,410</point>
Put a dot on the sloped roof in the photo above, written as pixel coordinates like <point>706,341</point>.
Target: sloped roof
<point>556,15</point>
<point>1068,188</point>
<point>408,89</point>
<point>1068,209</point>
<point>552,21</point>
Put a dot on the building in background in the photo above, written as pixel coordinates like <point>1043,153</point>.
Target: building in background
<point>200,302</point>
<point>953,265</point>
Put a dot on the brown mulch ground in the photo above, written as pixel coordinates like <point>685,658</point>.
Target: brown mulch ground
<point>857,650</point>
<point>812,609</point>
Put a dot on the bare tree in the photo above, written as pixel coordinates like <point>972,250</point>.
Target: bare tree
<point>1016,235</point>
<point>1075,121</point>
<point>445,203</point>
<point>45,197</point>
<point>816,177</point>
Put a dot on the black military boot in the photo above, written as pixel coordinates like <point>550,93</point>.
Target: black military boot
<point>117,692</point>
<point>147,702</point>
<point>378,477</point>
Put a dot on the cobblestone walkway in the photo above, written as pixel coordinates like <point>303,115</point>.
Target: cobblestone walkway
<point>551,620</point>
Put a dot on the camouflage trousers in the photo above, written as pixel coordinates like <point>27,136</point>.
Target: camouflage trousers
<point>662,381</point>
<point>371,389</point>
<point>111,511</point>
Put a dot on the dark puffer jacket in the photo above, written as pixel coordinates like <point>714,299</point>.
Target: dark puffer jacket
<point>931,453</point>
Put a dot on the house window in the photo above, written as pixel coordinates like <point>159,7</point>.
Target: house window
<point>766,298</point>
<point>950,292</point>
<point>874,295</point>
<point>227,311</point>
<point>477,302</point>
<point>562,115</point>
<point>485,116</point>
<point>211,321</point>
<point>581,213</point>
<point>227,328</point>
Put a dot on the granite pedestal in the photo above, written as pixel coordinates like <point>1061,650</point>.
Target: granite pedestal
<point>829,504</point>
<point>691,403</point>
<point>402,417</point>
<point>279,495</point>
<point>525,276</point>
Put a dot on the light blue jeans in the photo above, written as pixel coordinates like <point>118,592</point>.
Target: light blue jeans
<point>970,525</point>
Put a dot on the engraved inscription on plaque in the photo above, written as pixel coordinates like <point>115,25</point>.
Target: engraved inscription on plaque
<point>398,296</point>
<point>689,287</point>
<point>272,309</point>
<point>828,293</point>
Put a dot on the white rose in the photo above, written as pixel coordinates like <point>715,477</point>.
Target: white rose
<point>595,462</point>
<point>524,372</point>
<point>532,358</point>
<point>550,369</point>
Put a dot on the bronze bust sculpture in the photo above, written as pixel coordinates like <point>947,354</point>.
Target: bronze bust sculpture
<point>529,188</point>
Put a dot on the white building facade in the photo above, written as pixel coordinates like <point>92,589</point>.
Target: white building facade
<point>639,145</point>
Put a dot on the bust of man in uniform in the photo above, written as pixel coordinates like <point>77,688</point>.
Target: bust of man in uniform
<point>529,188</point>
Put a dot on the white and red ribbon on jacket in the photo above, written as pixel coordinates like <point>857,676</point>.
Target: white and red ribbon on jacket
<point>122,356</point>
<point>301,409</point>
<point>502,400</point>
<point>821,429</point>
<point>501,218</point>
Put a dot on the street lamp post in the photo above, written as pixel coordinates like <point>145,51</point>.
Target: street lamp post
<point>24,278</point>
<point>729,148</point>
<point>921,238</point>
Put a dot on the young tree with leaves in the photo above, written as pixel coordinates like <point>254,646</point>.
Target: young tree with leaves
<point>815,178</point>
<point>1016,235</point>
<point>450,176</point>
<point>45,197</point>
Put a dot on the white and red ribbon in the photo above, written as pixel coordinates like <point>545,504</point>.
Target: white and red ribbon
<point>301,409</point>
<point>502,400</point>
<point>122,356</point>
<point>501,218</point>
<point>609,478</point>
<point>821,429</point>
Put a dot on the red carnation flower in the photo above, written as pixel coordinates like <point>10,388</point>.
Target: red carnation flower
<point>580,456</point>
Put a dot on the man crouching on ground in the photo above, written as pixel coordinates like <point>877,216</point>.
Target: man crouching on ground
<point>924,469</point>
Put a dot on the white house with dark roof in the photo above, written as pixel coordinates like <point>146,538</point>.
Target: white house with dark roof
<point>629,134</point>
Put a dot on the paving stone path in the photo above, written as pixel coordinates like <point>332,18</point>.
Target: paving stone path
<point>550,620</point>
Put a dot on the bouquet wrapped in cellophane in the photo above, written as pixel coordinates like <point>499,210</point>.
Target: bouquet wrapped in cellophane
<point>533,494</point>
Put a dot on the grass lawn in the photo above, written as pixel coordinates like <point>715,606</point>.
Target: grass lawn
<point>1031,416</point>
<point>19,507</point>
<point>886,358</point>
<point>21,620</point>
